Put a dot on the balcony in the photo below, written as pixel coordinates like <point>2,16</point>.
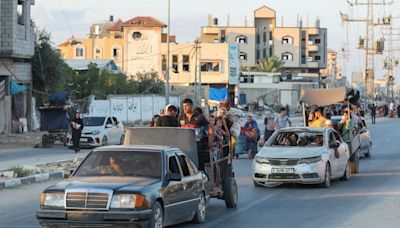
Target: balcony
<point>313,48</point>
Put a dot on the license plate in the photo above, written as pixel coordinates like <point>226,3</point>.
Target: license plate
<point>83,140</point>
<point>282,170</point>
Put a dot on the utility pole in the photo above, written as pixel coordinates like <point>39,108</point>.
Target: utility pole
<point>168,55</point>
<point>197,74</point>
<point>390,63</point>
<point>368,43</point>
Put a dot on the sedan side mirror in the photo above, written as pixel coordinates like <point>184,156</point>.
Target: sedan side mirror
<point>174,177</point>
<point>109,126</point>
<point>334,145</point>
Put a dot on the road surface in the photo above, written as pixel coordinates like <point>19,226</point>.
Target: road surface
<point>370,199</point>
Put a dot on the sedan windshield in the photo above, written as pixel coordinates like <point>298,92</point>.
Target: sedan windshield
<point>296,138</point>
<point>121,163</point>
<point>93,121</point>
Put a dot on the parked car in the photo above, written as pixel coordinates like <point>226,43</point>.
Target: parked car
<point>145,186</point>
<point>100,131</point>
<point>302,155</point>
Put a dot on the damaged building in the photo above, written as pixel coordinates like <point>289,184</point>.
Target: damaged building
<point>16,51</point>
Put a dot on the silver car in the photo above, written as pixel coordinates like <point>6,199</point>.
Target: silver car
<point>302,155</point>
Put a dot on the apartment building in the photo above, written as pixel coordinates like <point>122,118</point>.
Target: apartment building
<point>16,50</point>
<point>333,72</point>
<point>303,49</point>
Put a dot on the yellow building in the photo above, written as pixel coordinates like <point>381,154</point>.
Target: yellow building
<point>139,44</point>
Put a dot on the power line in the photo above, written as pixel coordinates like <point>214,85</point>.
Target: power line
<point>65,17</point>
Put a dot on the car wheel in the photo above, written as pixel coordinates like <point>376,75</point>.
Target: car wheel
<point>104,141</point>
<point>368,154</point>
<point>157,216</point>
<point>200,216</point>
<point>121,142</point>
<point>230,192</point>
<point>327,180</point>
<point>346,175</point>
<point>256,184</point>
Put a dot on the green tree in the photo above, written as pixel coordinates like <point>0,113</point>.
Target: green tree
<point>49,71</point>
<point>272,64</point>
<point>149,83</point>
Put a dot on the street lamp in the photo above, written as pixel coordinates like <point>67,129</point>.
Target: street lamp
<point>168,50</point>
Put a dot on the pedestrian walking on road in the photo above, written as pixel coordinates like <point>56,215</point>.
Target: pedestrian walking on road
<point>373,113</point>
<point>252,133</point>
<point>282,120</point>
<point>76,126</point>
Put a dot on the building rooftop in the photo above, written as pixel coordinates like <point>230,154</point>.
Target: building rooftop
<point>82,64</point>
<point>144,21</point>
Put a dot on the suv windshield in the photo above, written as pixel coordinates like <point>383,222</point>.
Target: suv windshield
<point>121,163</point>
<point>93,121</point>
<point>297,138</point>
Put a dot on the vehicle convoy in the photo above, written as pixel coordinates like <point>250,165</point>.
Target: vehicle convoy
<point>153,180</point>
<point>302,155</point>
<point>100,131</point>
<point>327,97</point>
<point>120,186</point>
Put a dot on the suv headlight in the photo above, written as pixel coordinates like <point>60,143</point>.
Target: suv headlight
<point>52,199</point>
<point>127,201</point>
<point>310,160</point>
<point>261,160</point>
<point>96,132</point>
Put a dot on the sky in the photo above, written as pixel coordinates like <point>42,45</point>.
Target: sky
<point>64,18</point>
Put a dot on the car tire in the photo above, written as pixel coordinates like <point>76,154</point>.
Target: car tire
<point>104,142</point>
<point>157,216</point>
<point>256,184</point>
<point>327,180</point>
<point>368,154</point>
<point>346,175</point>
<point>230,192</point>
<point>200,216</point>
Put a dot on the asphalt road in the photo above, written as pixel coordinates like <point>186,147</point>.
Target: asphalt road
<point>370,199</point>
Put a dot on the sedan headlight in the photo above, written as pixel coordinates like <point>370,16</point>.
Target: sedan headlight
<point>127,201</point>
<point>261,160</point>
<point>310,160</point>
<point>96,132</point>
<point>52,199</point>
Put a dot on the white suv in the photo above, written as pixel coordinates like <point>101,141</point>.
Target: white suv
<point>100,131</point>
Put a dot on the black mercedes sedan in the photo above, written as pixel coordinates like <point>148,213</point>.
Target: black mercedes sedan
<point>120,186</point>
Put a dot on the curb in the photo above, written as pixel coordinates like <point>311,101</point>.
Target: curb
<point>30,179</point>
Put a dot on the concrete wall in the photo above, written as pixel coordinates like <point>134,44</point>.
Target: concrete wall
<point>130,109</point>
<point>5,115</point>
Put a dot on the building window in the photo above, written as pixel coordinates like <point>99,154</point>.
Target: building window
<point>243,56</point>
<point>164,63</point>
<point>223,36</point>
<point>287,56</point>
<point>21,12</point>
<point>270,51</point>
<point>241,39</point>
<point>210,67</point>
<point>247,79</point>
<point>117,36</point>
<point>317,58</point>
<point>303,59</point>
<point>270,35</point>
<point>287,40</point>
<point>317,41</point>
<point>79,53</point>
<point>136,35</point>
<point>115,52</point>
<point>258,55</point>
<point>99,53</point>
<point>175,63</point>
<point>185,63</point>
<point>264,52</point>
<point>258,39</point>
<point>264,36</point>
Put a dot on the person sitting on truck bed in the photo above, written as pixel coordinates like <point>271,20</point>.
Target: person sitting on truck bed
<point>169,119</point>
<point>319,119</point>
<point>346,128</point>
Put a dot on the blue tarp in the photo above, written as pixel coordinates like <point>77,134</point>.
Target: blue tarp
<point>218,94</point>
<point>15,88</point>
<point>54,119</point>
<point>59,98</point>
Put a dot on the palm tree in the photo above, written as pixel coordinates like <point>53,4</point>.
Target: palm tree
<point>272,65</point>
